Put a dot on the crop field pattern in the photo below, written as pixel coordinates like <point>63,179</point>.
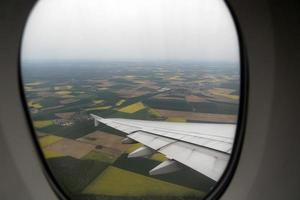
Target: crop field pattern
<point>91,163</point>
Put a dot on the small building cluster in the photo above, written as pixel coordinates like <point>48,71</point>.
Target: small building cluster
<point>63,122</point>
<point>76,117</point>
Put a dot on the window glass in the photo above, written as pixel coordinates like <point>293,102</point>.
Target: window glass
<point>133,99</point>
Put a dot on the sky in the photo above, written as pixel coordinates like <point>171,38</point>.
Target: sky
<point>129,30</point>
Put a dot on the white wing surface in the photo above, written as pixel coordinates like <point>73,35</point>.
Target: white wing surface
<point>204,147</point>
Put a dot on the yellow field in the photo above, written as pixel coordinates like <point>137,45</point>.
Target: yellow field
<point>132,108</point>
<point>49,139</point>
<point>158,157</point>
<point>51,154</point>
<point>118,182</point>
<point>42,123</point>
<point>133,147</point>
<point>223,93</point>
<point>120,102</point>
<point>34,83</point>
<point>154,113</point>
<point>98,108</point>
<point>34,105</point>
<point>207,117</point>
<point>176,119</point>
<point>98,101</point>
<point>64,87</point>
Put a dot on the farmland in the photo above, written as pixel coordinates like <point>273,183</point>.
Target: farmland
<point>42,123</point>
<point>74,175</point>
<point>48,140</point>
<point>132,108</point>
<point>87,160</point>
<point>118,182</point>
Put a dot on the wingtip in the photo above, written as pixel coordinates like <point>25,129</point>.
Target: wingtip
<point>97,119</point>
<point>95,116</point>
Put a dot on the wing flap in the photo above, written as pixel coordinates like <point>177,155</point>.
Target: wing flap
<point>206,161</point>
<point>153,141</point>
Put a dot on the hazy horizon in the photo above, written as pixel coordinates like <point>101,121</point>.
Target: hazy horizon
<point>124,63</point>
<point>130,31</point>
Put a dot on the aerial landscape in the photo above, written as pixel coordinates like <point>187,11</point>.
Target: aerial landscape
<point>91,162</point>
<point>135,99</point>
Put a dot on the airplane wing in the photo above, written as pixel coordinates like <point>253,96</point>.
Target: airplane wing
<point>204,147</point>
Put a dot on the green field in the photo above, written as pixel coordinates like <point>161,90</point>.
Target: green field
<point>118,182</point>
<point>185,177</point>
<point>74,175</point>
<point>98,108</point>
<point>100,156</point>
<point>76,131</point>
<point>51,154</point>
<point>34,105</point>
<point>42,123</point>
<point>48,140</point>
<point>169,104</point>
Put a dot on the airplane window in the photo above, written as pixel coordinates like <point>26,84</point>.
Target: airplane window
<point>133,99</point>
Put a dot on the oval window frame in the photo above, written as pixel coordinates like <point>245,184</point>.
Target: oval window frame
<point>222,184</point>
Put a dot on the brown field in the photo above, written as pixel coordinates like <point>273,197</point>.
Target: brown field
<point>165,97</point>
<point>216,98</point>
<point>63,87</point>
<point>147,84</point>
<point>52,107</point>
<point>110,143</point>
<point>194,98</point>
<point>45,94</point>
<point>177,83</point>
<point>66,101</point>
<point>104,84</point>
<point>206,117</point>
<point>131,93</point>
<point>222,100</point>
<point>152,86</point>
<point>63,92</point>
<point>176,78</point>
<point>71,148</point>
<point>223,92</point>
<point>65,115</point>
